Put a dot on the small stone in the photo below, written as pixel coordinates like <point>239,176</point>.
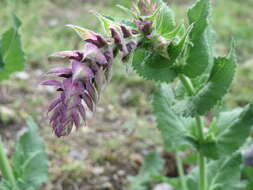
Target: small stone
<point>6,114</point>
<point>163,186</point>
<point>121,173</point>
<point>21,75</point>
<point>98,171</point>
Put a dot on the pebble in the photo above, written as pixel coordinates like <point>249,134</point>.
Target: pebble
<point>163,186</point>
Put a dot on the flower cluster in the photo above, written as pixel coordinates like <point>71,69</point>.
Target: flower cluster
<point>79,85</point>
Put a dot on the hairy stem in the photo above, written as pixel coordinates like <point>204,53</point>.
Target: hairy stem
<point>200,126</point>
<point>6,168</point>
<point>181,172</point>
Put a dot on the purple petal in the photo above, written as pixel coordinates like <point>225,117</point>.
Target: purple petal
<point>126,32</point>
<point>66,71</point>
<point>76,119</point>
<point>99,80</point>
<point>146,29</point>
<point>54,116</point>
<point>54,104</point>
<point>118,39</point>
<point>82,112</point>
<point>52,83</point>
<point>93,53</point>
<point>131,46</point>
<point>65,54</point>
<point>91,91</point>
<point>88,101</point>
<point>109,54</point>
<point>89,36</point>
<point>81,71</point>
<point>99,42</point>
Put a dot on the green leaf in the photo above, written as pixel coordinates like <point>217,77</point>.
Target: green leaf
<point>229,133</point>
<point>30,162</point>
<point>11,51</point>
<point>164,21</point>
<point>219,82</point>
<point>178,50</point>
<point>171,125</point>
<point>238,128</point>
<point>151,166</point>
<point>223,174</point>
<point>200,54</point>
<point>152,66</point>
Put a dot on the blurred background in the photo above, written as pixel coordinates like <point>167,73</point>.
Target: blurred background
<point>103,155</point>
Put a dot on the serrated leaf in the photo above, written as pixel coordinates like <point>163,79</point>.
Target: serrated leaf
<point>229,131</point>
<point>164,21</point>
<point>13,57</point>
<point>152,66</point>
<point>200,54</point>
<point>238,128</point>
<point>170,124</point>
<point>219,82</point>
<point>223,174</point>
<point>30,162</point>
<point>152,165</point>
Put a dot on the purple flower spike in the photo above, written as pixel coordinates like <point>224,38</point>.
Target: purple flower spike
<point>80,83</point>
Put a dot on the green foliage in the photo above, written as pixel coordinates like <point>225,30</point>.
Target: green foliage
<point>152,66</point>
<point>164,21</point>
<point>177,50</point>
<point>29,160</point>
<point>218,84</point>
<point>222,174</point>
<point>171,125</point>
<point>228,133</point>
<point>151,166</point>
<point>200,53</point>
<point>12,57</point>
<point>236,132</point>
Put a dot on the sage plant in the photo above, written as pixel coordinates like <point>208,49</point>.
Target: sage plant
<point>191,80</point>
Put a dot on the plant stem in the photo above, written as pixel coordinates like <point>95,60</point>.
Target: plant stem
<point>201,158</point>
<point>200,126</point>
<point>5,167</point>
<point>181,171</point>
